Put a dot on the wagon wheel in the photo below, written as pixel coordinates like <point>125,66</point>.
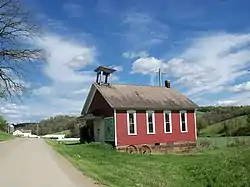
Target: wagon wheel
<point>131,149</point>
<point>145,149</point>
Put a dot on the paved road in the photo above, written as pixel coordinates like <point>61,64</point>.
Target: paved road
<point>32,163</point>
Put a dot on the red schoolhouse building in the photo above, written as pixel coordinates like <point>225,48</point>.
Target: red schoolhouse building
<point>137,118</point>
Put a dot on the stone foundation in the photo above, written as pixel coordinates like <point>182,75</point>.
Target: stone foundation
<point>159,148</point>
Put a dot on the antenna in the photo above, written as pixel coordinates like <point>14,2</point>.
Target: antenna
<point>160,73</point>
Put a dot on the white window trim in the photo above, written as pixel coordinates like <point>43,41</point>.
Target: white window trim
<point>153,118</point>
<point>115,128</point>
<point>134,114</point>
<point>170,121</point>
<point>185,112</point>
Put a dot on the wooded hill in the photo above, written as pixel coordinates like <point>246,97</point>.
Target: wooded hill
<point>223,121</point>
<point>52,125</point>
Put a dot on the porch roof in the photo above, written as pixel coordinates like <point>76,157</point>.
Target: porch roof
<point>89,116</point>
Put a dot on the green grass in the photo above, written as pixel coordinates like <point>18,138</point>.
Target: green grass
<point>228,166</point>
<point>5,136</point>
<point>223,141</point>
<point>62,132</point>
<point>233,124</point>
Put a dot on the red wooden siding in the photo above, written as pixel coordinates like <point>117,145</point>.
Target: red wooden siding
<point>159,137</point>
<point>99,106</point>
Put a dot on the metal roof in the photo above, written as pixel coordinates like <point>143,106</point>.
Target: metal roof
<point>125,96</point>
<point>89,116</point>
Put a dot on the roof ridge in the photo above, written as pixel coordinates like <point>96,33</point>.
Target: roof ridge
<point>137,85</point>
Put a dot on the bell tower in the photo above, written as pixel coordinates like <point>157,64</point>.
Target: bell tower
<point>103,75</point>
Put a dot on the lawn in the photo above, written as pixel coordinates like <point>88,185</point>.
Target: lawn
<point>223,141</point>
<point>5,136</point>
<point>227,166</point>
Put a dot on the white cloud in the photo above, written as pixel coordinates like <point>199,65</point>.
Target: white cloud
<point>239,98</point>
<point>147,65</point>
<point>44,90</point>
<point>82,91</point>
<point>243,87</point>
<point>131,55</point>
<point>207,65</point>
<point>117,68</point>
<point>64,56</point>
<point>226,102</point>
<point>66,92</point>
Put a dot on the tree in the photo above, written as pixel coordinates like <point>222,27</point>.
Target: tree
<point>248,119</point>
<point>201,122</point>
<point>16,26</point>
<point>3,123</point>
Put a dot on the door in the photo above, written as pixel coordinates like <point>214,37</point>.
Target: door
<point>109,129</point>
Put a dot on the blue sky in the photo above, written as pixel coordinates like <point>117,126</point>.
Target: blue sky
<point>202,46</point>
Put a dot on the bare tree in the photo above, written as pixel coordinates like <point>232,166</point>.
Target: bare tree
<point>17,30</point>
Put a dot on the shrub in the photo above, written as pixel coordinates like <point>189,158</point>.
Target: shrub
<point>205,144</point>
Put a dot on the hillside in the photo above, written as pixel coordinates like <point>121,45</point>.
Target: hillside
<point>231,127</point>
<point>223,121</point>
<point>52,125</point>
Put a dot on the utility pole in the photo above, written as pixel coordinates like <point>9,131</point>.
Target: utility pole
<point>159,74</point>
<point>37,128</point>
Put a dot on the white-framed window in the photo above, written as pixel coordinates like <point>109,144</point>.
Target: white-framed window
<point>150,115</point>
<point>183,121</point>
<point>131,122</point>
<point>167,121</point>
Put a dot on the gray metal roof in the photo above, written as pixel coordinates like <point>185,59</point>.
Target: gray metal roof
<point>144,97</point>
<point>89,117</point>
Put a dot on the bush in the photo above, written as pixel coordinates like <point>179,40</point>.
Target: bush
<point>204,144</point>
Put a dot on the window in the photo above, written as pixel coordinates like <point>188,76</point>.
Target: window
<point>150,122</point>
<point>167,122</point>
<point>131,122</point>
<point>183,121</point>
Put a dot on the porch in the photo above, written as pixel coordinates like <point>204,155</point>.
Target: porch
<point>96,129</point>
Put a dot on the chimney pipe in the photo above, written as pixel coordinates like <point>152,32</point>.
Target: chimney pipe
<point>167,83</point>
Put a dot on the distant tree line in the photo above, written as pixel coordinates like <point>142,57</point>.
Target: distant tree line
<point>52,125</point>
<point>213,114</point>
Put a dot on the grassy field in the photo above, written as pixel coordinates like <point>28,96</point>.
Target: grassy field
<point>221,142</point>
<point>233,125</point>
<point>227,166</point>
<point>5,136</point>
